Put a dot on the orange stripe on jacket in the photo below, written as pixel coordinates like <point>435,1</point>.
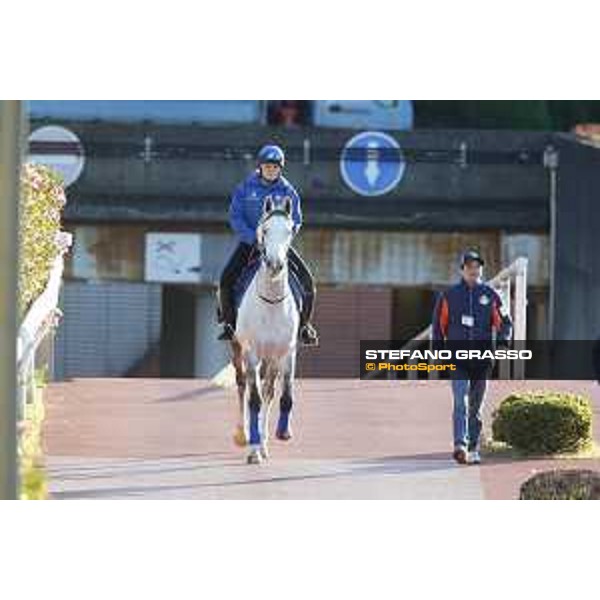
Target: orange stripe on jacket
<point>496,317</point>
<point>444,318</point>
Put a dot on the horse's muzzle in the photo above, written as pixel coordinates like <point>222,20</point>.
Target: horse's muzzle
<point>275,267</point>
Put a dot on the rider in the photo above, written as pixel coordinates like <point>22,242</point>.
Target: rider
<point>244,213</point>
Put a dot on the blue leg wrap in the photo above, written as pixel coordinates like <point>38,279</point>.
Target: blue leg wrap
<point>284,421</point>
<point>254,430</point>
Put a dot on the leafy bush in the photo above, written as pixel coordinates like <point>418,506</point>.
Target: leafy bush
<point>484,114</point>
<point>544,422</point>
<point>500,114</point>
<point>506,114</point>
<point>41,203</point>
<point>562,485</point>
<point>42,200</point>
<point>33,474</point>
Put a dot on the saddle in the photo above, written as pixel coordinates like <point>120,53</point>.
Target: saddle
<point>249,271</point>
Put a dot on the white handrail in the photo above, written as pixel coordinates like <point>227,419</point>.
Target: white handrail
<point>44,305</point>
<point>40,318</point>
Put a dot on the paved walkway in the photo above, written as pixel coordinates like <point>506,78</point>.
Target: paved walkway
<point>152,438</point>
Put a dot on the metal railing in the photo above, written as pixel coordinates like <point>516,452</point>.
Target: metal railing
<point>514,297</point>
<point>40,321</point>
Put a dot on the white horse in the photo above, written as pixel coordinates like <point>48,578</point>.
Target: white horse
<point>264,348</point>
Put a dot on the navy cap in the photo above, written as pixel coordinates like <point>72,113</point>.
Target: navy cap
<point>471,255</point>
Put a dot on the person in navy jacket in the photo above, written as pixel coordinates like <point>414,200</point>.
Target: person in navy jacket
<point>245,212</point>
<point>467,316</point>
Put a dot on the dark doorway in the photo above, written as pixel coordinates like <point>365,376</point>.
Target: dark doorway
<point>411,311</point>
<point>178,332</point>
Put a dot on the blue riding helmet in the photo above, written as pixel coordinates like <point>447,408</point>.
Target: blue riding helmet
<point>271,154</point>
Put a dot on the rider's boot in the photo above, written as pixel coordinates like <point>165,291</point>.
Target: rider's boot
<point>226,315</point>
<point>228,332</point>
<point>308,335</point>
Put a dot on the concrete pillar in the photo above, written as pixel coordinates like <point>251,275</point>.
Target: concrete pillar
<point>11,129</point>
<point>211,355</point>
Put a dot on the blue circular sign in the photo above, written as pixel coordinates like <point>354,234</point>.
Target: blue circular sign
<point>372,163</point>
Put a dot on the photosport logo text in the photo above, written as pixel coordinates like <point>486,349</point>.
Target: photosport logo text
<point>428,367</point>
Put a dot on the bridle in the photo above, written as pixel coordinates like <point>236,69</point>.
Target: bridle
<point>262,252</point>
<point>271,300</point>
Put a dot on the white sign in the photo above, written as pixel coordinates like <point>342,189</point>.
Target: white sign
<point>173,257</point>
<point>59,149</point>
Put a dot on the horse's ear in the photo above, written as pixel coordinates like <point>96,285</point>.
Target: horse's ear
<point>268,205</point>
<point>287,205</point>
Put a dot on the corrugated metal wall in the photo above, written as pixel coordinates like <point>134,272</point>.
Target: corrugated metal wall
<point>108,326</point>
<point>536,248</point>
<point>416,259</point>
<point>344,316</point>
<point>393,258</point>
<point>336,256</point>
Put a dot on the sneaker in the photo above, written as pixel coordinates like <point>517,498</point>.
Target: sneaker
<point>308,335</point>
<point>228,333</point>
<point>474,457</point>
<point>460,455</point>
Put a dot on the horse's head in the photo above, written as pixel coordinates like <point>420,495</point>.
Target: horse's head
<point>274,234</point>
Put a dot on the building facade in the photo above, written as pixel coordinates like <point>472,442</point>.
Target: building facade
<point>149,217</point>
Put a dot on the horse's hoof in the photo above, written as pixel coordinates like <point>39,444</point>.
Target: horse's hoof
<point>284,436</point>
<point>254,458</point>
<point>239,437</point>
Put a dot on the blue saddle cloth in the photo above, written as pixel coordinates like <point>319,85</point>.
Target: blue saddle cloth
<point>248,273</point>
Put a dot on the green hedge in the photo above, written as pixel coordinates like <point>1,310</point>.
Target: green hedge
<point>545,115</point>
<point>571,484</point>
<point>544,422</point>
<point>31,454</point>
<point>42,200</point>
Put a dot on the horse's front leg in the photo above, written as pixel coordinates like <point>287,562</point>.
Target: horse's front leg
<point>254,405</point>
<point>240,437</point>
<point>284,429</point>
<point>268,393</point>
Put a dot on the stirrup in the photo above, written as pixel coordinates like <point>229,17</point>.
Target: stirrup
<point>308,335</point>
<point>228,332</point>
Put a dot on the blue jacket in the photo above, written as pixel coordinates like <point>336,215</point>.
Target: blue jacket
<point>463,313</point>
<point>246,205</point>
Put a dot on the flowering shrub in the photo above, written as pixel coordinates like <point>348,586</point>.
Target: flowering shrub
<point>42,200</point>
<point>562,484</point>
<point>41,204</point>
<point>31,455</point>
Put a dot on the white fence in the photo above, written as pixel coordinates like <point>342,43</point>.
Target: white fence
<point>40,321</point>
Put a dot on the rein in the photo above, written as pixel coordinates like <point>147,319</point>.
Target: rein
<point>271,301</point>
